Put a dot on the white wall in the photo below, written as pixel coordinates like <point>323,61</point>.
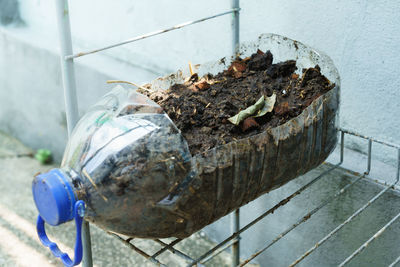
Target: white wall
<point>362,37</point>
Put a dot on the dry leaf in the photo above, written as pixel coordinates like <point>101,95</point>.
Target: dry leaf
<point>295,76</point>
<point>237,68</point>
<point>237,74</point>
<point>202,85</point>
<point>247,112</point>
<point>269,103</point>
<point>282,108</point>
<point>246,59</point>
<point>249,123</point>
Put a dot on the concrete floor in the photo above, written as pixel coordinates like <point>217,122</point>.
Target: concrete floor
<point>19,245</point>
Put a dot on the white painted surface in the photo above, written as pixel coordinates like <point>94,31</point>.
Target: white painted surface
<point>361,37</point>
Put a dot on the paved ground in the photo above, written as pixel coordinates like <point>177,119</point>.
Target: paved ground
<point>19,245</point>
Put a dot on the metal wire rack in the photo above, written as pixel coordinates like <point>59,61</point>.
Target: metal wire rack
<point>232,241</point>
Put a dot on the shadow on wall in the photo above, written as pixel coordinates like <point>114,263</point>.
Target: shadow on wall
<point>9,12</point>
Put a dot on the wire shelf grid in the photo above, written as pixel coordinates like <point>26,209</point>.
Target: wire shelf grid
<point>229,241</point>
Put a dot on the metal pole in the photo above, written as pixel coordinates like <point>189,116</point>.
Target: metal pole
<point>235,217</point>
<point>341,147</point>
<point>150,34</point>
<point>71,105</point>
<point>236,245</point>
<point>235,27</point>
<point>87,260</point>
<point>67,66</point>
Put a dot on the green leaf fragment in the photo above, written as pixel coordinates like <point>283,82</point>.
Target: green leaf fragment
<point>269,103</point>
<point>44,156</point>
<point>260,108</point>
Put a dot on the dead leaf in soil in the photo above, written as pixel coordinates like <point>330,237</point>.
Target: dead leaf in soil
<point>269,103</point>
<point>282,108</point>
<point>260,52</point>
<point>237,68</point>
<point>237,74</point>
<point>247,112</point>
<point>249,123</point>
<point>202,85</point>
<point>295,76</point>
<point>246,59</point>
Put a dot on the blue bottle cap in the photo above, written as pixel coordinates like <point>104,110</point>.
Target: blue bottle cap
<point>54,197</point>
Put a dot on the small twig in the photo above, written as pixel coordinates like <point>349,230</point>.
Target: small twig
<point>302,94</point>
<point>302,78</point>
<point>288,87</point>
<point>218,81</point>
<point>131,83</point>
<point>190,69</point>
<point>94,185</point>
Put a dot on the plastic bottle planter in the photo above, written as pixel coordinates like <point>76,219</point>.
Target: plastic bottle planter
<point>130,165</point>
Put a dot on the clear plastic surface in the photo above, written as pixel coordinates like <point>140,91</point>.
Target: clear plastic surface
<point>134,170</point>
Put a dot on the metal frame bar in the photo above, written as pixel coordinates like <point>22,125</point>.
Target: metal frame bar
<point>173,250</point>
<point>71,101</point>
<point>356,213</point>
<point>170,245</point>
<point>219,251</point>
<point>128,243</point>
<point>395,262</point>
<point>235,216</point>
<point>340,226</point>
<point>305,218</point>
<point>67,65</point>
<point>376,235</point>
<point>234,10</point>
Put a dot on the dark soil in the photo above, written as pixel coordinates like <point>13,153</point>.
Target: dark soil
<point>200,107</point>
